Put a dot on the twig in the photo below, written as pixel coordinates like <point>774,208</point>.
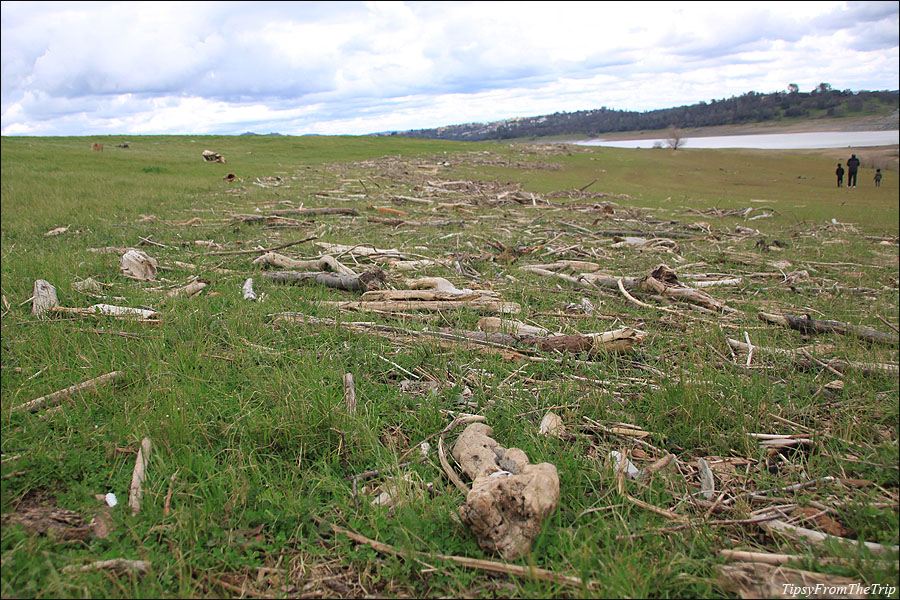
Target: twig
<point>750,351</point>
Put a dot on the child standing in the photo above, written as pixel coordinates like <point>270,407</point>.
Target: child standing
<point>877,177</point>
<point>840,174</point>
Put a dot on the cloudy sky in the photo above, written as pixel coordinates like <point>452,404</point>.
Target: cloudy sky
<point>89,68</point>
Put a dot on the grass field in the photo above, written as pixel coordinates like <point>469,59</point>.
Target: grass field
<point>254,451</point>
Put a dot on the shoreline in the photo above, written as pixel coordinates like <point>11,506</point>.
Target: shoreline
<point>870,123</point>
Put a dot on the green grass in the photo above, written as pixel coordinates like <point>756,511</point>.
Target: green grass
<point>248,416</point>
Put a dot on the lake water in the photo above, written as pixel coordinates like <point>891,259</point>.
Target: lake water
<point>769,141</point>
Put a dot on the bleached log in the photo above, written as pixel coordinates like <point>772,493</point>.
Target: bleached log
<point>57,397</point>
<point>367,280</point>
<point>402,295</point>
<point>43,298</point>
<point>136,264</point>
<point>515,328</point>
<point>191,289</point>
<point>439,284</point>
<point>361,250</point>
<point>325,262</point>
<point>108,310</point>
<point>702,283</point>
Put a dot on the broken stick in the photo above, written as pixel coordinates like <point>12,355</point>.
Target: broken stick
<point>56,397</point>
<point>365,281</point>
<point>138,476</point>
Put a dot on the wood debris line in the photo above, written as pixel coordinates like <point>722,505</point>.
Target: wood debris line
<point>57,397</point>
<point>662,281</point>
<point>806,324</point>
<point>802,357</point>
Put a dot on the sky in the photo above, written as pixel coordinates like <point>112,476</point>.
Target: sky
<point>353,68</point>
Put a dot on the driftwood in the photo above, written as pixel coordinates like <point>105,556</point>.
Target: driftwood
<point>361,250</point>
<point>364,281</point>
<point>43,298</point>
<point>817,537</point>
<point>661,281</point>
<point>136,264</point>
<point>802,358</point>
<point>247,290</point>
<point>325,262</point>
<point>57,397</point>
<point>210,156</point>
<point>119,565</point>
<point>107,310</point>
<point>191,289</point>
<point>807,325</point>
<point>762,580</point>
<point>509,496</point>
<point>138,476</point>
<point>515,328</point>
<point>618,340</point>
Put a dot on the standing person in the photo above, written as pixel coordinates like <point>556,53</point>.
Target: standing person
<point>840,175</point>
<point>877,177</point>
<point>852,168</point>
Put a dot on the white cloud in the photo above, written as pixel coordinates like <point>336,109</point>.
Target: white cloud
<point>76,68</point>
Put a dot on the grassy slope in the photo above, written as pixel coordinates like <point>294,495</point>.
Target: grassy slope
<point>248,415</point>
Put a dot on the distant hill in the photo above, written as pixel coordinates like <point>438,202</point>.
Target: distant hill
<point>752,107</point>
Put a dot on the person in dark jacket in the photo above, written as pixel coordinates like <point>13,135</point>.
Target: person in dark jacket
<point>877,177</point>
<point>840,175</point>
<point>852,168</point>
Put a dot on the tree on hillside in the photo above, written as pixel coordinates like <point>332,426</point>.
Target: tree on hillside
<point>793,88</point>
